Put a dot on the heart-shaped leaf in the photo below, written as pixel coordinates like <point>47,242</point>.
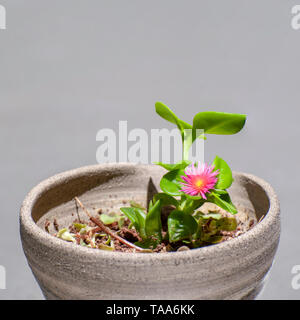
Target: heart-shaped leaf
<point>108,219</point>
<point>219,122</point>
<point>170,182</point>
<point>167,114</point>
<point>225,175</point>
<point>170,167</point>
<point>181,226</point>
<point>165,199</point>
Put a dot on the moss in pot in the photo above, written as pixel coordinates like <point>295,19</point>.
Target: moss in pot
<point>193,213</point>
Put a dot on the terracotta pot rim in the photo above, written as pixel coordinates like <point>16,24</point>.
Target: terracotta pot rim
<point>41,235</point>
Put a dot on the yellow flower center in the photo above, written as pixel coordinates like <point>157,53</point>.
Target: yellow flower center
<point>199,183</point>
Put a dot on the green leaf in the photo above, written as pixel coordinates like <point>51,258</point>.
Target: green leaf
<point>181,226</point>
<point>153,222</point>
<point>198,214</point>
<point>121,222</point>
<point>223,201</point>
<point>150,205</point>
<point>85,230</point>
<point>211,226</point>
<point>65,235</point>
<point>79,226</point>
<point>147,243</point>
<point>216,216</point>
<point>188,196</point>
<point>219,122</point>
<point>108,219</point>
<point>137,217</point>
<point>108,240</point>
<point>214,239</point>
<point>170,167</point>
<point>136,205</point>
<point>219,191</point>
<point>170,182</point>
<point>189,204</point>
<point>165,199</point>
<point>112,217</point>
<point>227,224</point>
<point>225,175</point>
<point>167,114</point>
<point>104,247</point>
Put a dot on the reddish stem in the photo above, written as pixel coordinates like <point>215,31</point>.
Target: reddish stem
<point>106,229</point>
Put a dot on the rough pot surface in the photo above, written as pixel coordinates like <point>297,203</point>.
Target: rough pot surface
<point>233,269</point>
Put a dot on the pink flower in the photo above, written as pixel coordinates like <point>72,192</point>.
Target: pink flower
<point>199,179</point>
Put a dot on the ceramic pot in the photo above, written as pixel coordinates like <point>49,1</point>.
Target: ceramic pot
<point>233,269</point>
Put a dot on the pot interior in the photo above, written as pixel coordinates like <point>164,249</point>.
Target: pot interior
<point>109,187</point>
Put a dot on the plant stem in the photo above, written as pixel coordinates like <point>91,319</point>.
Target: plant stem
<point>77,212</point>
<point>106,229</point>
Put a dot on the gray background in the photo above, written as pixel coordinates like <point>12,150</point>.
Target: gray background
<point>70,68</point>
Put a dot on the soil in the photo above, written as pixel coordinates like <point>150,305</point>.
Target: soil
<point>245,221</point>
